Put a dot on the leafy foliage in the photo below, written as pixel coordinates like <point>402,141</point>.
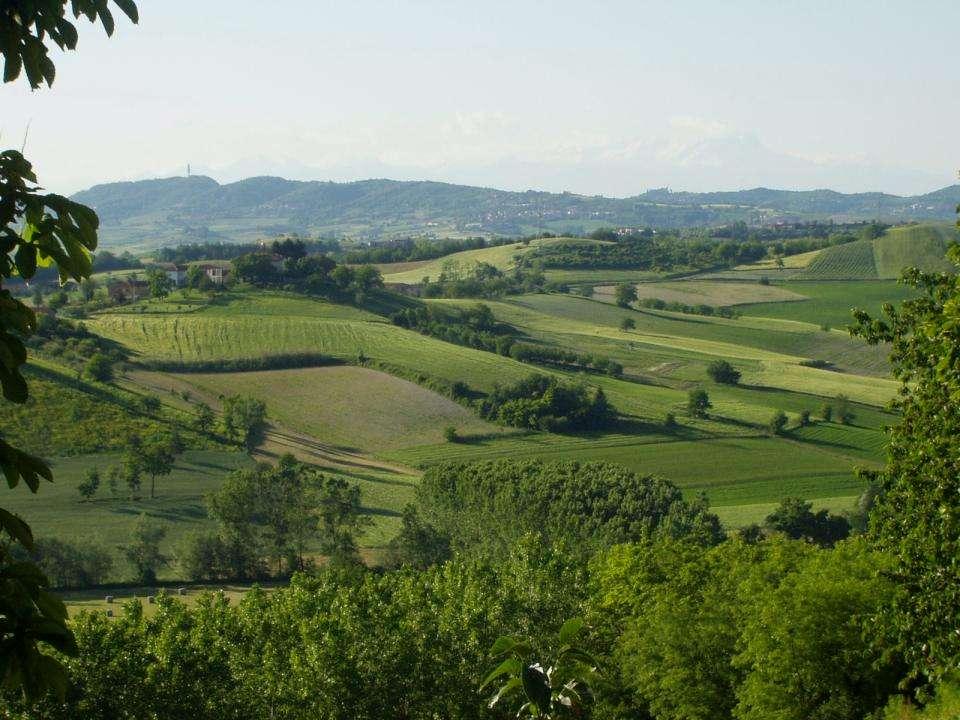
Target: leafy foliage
<point>36,230</point>
<point>493,504</point>
<point>915,518</point>
<point>544,403</point>
<point>556,689</point>
<point>721,371</point>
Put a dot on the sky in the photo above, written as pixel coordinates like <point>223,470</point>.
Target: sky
<point>608,97</point>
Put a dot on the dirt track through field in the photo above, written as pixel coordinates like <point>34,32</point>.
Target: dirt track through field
<point>278,439</point>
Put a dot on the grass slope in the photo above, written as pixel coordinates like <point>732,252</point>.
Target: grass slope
<point>353,408</point>
<point>502,257</point>
<point>923,246</point>
<point>706,292</point>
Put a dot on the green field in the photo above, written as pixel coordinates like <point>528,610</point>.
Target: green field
<point>852,261</point>
<point>375,428</point>
<point>922,246</point>
<point>706,292</point>
<point>502,257</point>
<point>832,302</point>
<point>353,408</point>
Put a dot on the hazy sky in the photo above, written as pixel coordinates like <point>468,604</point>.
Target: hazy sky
<point>595,97</point>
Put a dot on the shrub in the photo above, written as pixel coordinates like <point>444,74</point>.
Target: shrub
<point>721,371</point>
<point>627,324</point>
<point>778,422</point>
<point>826,412</point>
<point>624,294</point>
<point>764,280</point>
<point>844,411</point>
<point>804,418</point>
<point>698,402</point>
<point>99,368</point>
<point>450,434</point>
<point>670,420</point>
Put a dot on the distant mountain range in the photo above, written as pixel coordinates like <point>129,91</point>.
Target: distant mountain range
<point>149,213</point>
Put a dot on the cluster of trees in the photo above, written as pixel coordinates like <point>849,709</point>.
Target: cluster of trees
<point>488,507</point>
<point>315,274</point>
<point>72,344</point>
<point>541,402</point>
<point>106,261</point>
<point>269,517</point>
<point>699,309</point>
<point>474,327</point>
<point>477,328</point>
<point>483,280</point>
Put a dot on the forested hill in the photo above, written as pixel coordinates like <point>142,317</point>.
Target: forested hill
<point>151,212</point>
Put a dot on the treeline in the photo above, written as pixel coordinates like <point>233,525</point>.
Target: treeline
<point>191,252</point>
<point>280,361</point>
<point>482,280</point>
<point>411,250</point>
<point>804,231</point>
<point>700,309</point>
<point>646,251</point>
<point>540,402</point>
<point>669,252</point>
<point>477,328</point>
<point>317,275</point>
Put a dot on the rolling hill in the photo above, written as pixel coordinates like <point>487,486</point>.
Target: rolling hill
<point>151,213</point>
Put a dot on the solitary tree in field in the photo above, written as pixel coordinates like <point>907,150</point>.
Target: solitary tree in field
<point>156,460</point>
<point>204,419</point>
<point>698,402</point>
<point>244,420</point>
<point>143,552</point>
<point>778,422</point>
<point>721,371</point>
<point>625,294</point>
<point>160,284</point>
<point>627,324</point>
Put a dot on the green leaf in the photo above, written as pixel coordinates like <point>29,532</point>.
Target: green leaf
<point>536,685</point>
<point>510,666</point>
<point>129,9</point>
<point>16,528</point>
<point>570,629</point>
<point>508,688</point>
<point>26,261</point>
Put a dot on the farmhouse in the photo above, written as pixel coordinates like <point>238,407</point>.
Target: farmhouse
<point>214,272</point>
<point>128,290</point>
<point>176,273</point>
